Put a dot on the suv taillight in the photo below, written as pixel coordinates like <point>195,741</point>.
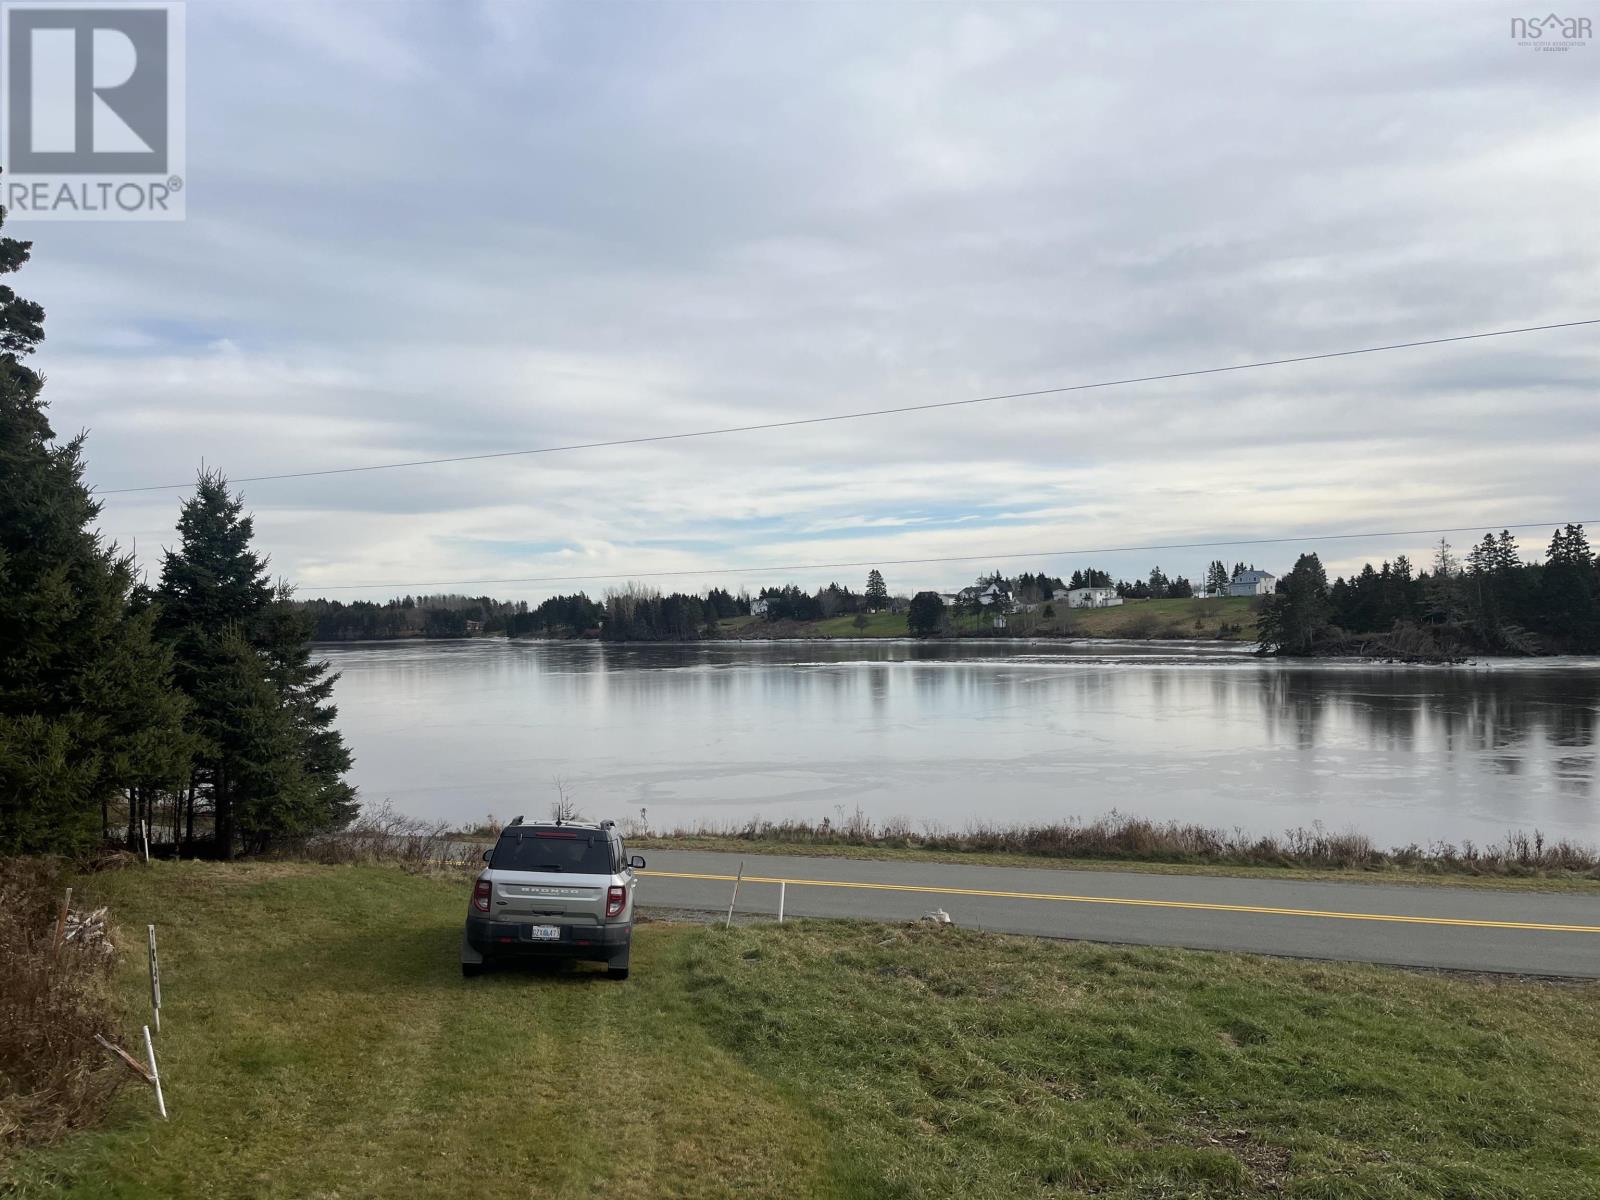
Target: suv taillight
<point>480,895</point>
<point>616,899</point>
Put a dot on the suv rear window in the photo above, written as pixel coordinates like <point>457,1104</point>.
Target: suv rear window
<point>576,853</point>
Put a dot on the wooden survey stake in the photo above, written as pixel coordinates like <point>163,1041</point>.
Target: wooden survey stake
<point>155,980</point>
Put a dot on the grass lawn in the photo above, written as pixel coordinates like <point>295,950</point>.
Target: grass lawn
<point>320,1043</point>
<point>881,624</point>
<point>1168,618</point>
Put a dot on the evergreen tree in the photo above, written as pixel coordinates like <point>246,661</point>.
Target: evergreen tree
<point>926,615</point>
<point>305,688</point>
<point>1441,590</point>
<point>257,779</point>
<point>877,591</point>
<point>1292,620</point>
<point>213,590</point>
<point>269,764</point>
<point>1402,600</point>
<point>1569,592</point>
<point>86,707</point>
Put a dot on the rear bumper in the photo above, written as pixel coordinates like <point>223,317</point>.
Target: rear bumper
<point>506,939</point>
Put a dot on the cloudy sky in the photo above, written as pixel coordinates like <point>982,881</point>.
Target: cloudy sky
<point>421,230</point>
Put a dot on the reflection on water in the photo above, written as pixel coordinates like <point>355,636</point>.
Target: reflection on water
<point>955,732</point>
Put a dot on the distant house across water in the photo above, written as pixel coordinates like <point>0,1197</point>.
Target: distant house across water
<point>1252,583</point>
<point>1091,597</point>
<point>986,596</point>
<point>758,608</point>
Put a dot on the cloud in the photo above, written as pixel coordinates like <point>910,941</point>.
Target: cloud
<point>467,229</point>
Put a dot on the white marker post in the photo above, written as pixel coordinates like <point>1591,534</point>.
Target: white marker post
<point>155,980</point>
<point>155,1075</point>
<point>783,887</point>
<point>735,898</point>
<point>144,831</point>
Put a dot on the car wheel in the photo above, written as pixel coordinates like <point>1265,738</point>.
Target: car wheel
<point>471,970</point>
<point>616,972</point>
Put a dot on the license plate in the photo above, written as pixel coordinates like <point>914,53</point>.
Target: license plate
<point>544,933</point>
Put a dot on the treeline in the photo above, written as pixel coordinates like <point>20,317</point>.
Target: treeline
<point>789,603</point>
<point>442,616</point>
<point>1489,601</point>
<point>1156,587</point>
<point>559,616</point>
<point>194,706</point>
<point>641,614</point>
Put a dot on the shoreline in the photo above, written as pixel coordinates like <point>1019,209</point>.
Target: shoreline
<point>1236,650</point>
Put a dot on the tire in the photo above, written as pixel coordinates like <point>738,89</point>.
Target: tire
<point>617,968</point>
<point>472,963</point>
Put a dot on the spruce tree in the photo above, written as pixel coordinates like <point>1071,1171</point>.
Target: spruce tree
<point>877,591</point>
<point>87,712</point>
<point>305,686</point>
<point>213,586</point>
<point>269,762</point>
<point>1569,592</point>
<point>1293,620</point>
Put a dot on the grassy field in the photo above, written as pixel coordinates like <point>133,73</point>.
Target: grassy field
<point>319,1042</point>
<point>1230,619</point>
<point>881,624</point>
<point>1168,619</point>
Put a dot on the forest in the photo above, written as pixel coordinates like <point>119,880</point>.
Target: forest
<point>1489,601</point>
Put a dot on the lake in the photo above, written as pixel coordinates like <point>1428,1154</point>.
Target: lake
<point>955,732</point>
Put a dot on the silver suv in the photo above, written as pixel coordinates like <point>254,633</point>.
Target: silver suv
<point>558,890</point>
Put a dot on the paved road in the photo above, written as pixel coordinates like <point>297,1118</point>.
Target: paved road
<point>1461,928</point>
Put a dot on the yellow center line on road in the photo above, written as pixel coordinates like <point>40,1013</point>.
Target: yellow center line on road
<point>1193,905</point>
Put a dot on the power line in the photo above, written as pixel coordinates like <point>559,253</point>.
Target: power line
<point>905,562</point>
<point>875,412</point>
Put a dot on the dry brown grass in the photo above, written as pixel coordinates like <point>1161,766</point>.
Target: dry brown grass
<point>380,835</point>
<point>54,1077</point>
<point>1121,837</point>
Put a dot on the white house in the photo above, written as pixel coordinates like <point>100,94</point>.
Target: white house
<point>758,608</point>
<point>1093,597</point>
<point>1252,583</point>
<point>993,594</point>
